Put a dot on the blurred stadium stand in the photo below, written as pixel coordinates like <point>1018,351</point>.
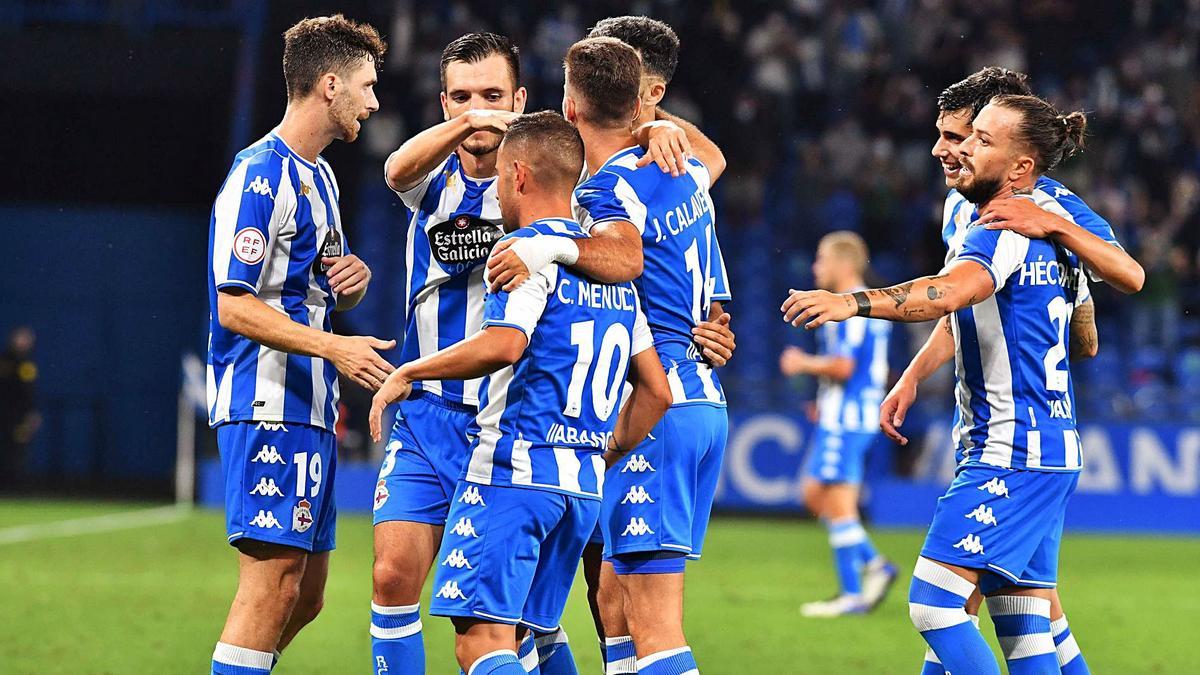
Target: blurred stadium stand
<point>128,111</point>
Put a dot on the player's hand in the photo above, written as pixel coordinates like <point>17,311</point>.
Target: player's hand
<point>355,356</point>
<point>347,274</point>
<point>793,361</point>
<point>666,145</point>
<point>816,308</point>
<point>715,340</point>
<point>505,269</point>
<point>396,388</point>
<point>1021,216</point>
<point>496,121</point>
<point>895,407</point>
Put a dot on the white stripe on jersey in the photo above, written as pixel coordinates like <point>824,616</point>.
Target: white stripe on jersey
<point>1033,449</point>
<point>998,382</point>
<point>568,469</point>
<point>522,466</point>
<point>479,469</point>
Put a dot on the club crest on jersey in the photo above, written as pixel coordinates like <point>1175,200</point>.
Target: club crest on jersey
<point>462,242</point>
<point>266,520</point>
<point>636,528</point>
<point>457,560</point>
<point>302,516</point>
<point>268,455</point>
<point>267,488</point>
<point>331,247</point>
<point>381,494</point>
<point>637,464</point>
<point>472,497</point>
<point>249,245</point>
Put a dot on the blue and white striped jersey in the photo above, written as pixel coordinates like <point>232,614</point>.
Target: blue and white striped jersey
<point>544,421</point>
<point>455,222</point>
<point>853,405</point>
<point>683,270</point>
<point>274,218</point>
<point>1014,393</point>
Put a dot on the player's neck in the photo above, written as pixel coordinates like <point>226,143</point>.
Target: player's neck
<point>306,130</point>
<point>477,166</point>
<point>601,144</point>
<point>648,114</point>
<point>535,209</point>
<point>1023,186</point>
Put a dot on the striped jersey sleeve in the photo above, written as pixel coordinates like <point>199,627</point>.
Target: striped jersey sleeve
<point>1001,252</point>
<point>250,210</point>
<point>523,306</point>
<point>607,197</point>
<point>412,196</point>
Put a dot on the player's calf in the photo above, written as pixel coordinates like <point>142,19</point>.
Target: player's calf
<point>936,603</point>
<point>404,552</point>
<point>653,594</point>
<point>484,648</point>
<point>269,581</point>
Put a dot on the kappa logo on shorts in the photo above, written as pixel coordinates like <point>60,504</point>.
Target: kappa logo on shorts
<point>302,516</point>
<point>381,494</point>
<point>970,544</point>
<point>268,455</point>
<point>637,464</point>
<point>450,591</point>
<point>637,527</point>
<point>464,528</point>
<point>996,486</point>
<point>457,560</point>
<point>471,496</point>
<point>984,515</point>
<point>271,426</point>
<point>637,495</point>
<point>266,519</point>
<point>267,488</point>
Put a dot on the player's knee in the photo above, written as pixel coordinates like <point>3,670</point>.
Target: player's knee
<point>395,581</point>
<point>927,617</point>
<point>308,607</point>
<point>811,492</point>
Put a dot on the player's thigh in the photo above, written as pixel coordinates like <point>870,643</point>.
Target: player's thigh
<point>269,569</point>
<point>712,425</point>
<point>657,597</point>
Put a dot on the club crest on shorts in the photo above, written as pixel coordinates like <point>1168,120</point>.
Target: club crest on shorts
<point>381,494</point>
<point>302,516</point>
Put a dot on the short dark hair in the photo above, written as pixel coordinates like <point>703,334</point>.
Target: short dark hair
<point>607,74</point>
<point>655,41</point>
<point>550,144</point>
<point>980,87</point>
<point>326,44</point>
<point>1051,135</point>
<point>475,47</point>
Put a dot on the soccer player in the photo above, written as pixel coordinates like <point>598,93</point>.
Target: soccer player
<point>279,266</point>
<point>958,104</point>
<point>446,175</point>
<point>661,497</point>
<point>852,368</point>
<point>1010,299</point>
<point>555,353</point>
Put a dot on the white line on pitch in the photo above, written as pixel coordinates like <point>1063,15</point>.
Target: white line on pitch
<point>109,522</point>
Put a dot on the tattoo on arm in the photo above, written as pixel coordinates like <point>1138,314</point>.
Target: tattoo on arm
<point>863,302</point>
<point>898,294</point>
<point>1084,336</point>
<point>949,328</point>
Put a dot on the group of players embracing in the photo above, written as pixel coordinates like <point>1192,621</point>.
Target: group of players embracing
<point>558,398</point>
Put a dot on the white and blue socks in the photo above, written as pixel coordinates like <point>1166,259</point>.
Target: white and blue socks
<point>554,653</point>
<point>619,656</point>
<point>396,644</point>
<point>1070,659</point>
<point>935,605</point>
<point>678,661</point>
<point>851,550</point>
<point>1023,629</point>
<point>228,659</point>
<point>527,654</point>
<point>932,666</point>
<point>500,662</point>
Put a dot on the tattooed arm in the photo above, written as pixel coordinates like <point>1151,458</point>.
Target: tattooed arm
<point>963,284</point>
<point>1085,339</point>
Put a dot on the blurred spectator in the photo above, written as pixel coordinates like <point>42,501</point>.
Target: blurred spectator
<point>19,418</point>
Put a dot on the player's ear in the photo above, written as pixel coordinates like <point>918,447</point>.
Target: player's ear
<point>445,112</point>
<point>637,113</point>
<point>520,176</point>
<point>519,99</point>
<point>330,84</point>
<point>655,93</point>
<point>1022,167</point>
<point>568,107</point>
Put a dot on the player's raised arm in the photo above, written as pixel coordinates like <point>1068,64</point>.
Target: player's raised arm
<point>1105,260</point>
<point>411,163</point>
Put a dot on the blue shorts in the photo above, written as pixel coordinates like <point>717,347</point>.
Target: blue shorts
<point>659,497</point>
<point>511,554</point>
<point>837,456</point>
<point>425,455</point>
<point>279,483</point>
<point>1005,521</point>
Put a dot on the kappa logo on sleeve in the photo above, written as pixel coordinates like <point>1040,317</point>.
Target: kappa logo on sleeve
<point>260,186</point>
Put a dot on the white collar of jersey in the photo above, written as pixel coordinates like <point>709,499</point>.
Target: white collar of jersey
<point>614,156</point>
<point>293,153</point>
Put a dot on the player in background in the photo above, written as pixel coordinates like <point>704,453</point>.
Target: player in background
<point>852,367</point>
<point>958,104</point>
<point>555,352</point>
<point>1010,299</point>
<point>446,175</point>
<point>641,217</point>
<point>279,266</point>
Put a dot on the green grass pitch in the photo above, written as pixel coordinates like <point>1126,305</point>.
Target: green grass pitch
<point>152,599</point>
